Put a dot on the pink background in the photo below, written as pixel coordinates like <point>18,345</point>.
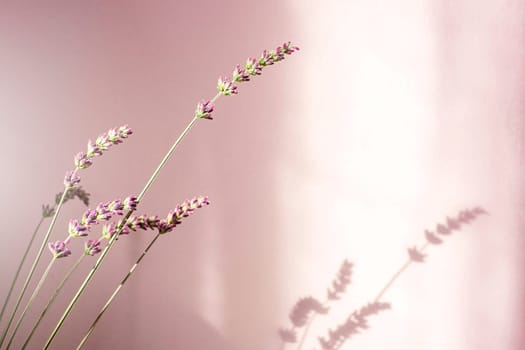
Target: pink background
<point>392,116</point>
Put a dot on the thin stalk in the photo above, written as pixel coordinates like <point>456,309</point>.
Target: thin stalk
<point>52,299</point>
<point>119,229</point>
<point>396,275</point>
<point>30,302</point>
<point>305,332</point>
<point>35,263</point>
<point>117,290</point>
<point>17,274</point>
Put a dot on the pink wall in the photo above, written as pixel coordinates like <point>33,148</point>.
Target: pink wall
<point>392,116</point>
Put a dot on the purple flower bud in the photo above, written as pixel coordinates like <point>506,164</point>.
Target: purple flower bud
<point>130,203</point>
<point>103,142</point>
<point>265,59</point>
<point>116,207</point>
<point>109,230</point>
<point>114,136</point>
<point>124,131</point>
<point>288,48</point>
<point>76,229</point>
<point>71,179</point>
<point>240,75</point>
<point>90,217</point>
<point>226,87</point>
<point>253,67</point>
<point>93,150</point>
<point>92,247</point>
<point>58,249</point>
<point>82,161</point>
<point>204,109</point>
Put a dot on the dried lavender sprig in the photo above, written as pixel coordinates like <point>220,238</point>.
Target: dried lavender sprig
<point>59,249</point>
<point>71,179</point>
<point>173,219</point>
<point>91,247</point>
<point>288,49</point>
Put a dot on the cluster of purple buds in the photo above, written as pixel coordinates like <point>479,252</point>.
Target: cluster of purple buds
<point>102,212</point>
<point>181,211</point>
<point>252,67</point>
<point>71,179</point>
<point>103,142</point>
<point>204,109</point>
<point>143,222</point>
<point>92,247</point>
<point>59,249</point>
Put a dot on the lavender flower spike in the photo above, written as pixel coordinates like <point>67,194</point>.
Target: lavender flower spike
<point>130,203</point>
<point>183,210</point>
<point>71,179</point>
<point>59,249</point>
<point>103,142</point>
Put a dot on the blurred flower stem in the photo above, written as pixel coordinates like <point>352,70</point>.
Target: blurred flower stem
<point>30,301</point>
<point>35,263</point>
<point>17,274</point>
<point>52,299</point>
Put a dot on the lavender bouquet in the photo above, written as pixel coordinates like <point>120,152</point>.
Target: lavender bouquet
<point>106,214</point>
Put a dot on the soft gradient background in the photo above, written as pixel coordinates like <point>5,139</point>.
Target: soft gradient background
<point>392,116</point>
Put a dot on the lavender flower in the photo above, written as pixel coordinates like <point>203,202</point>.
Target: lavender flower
<point>71,178</point>
<point>183,210</point>
<point>59,249</point>
<point>130,203</point>
<point>253,67</point>
<point>240,75</point>
<point>204,109</point>
<point>103,142</point>
<point>76,229</point>
<point>226,87</point>
<point>92,247</point>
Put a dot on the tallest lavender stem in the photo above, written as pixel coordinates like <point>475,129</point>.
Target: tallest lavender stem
<point>119,229</point>
<point>35,263</point>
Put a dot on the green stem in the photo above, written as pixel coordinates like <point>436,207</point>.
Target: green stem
<point>117,290</point>
<point>52,299</point>
<point>17,274</point>
<point>30,302</point>
<point>112,240</point>
<point>35,263</point>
